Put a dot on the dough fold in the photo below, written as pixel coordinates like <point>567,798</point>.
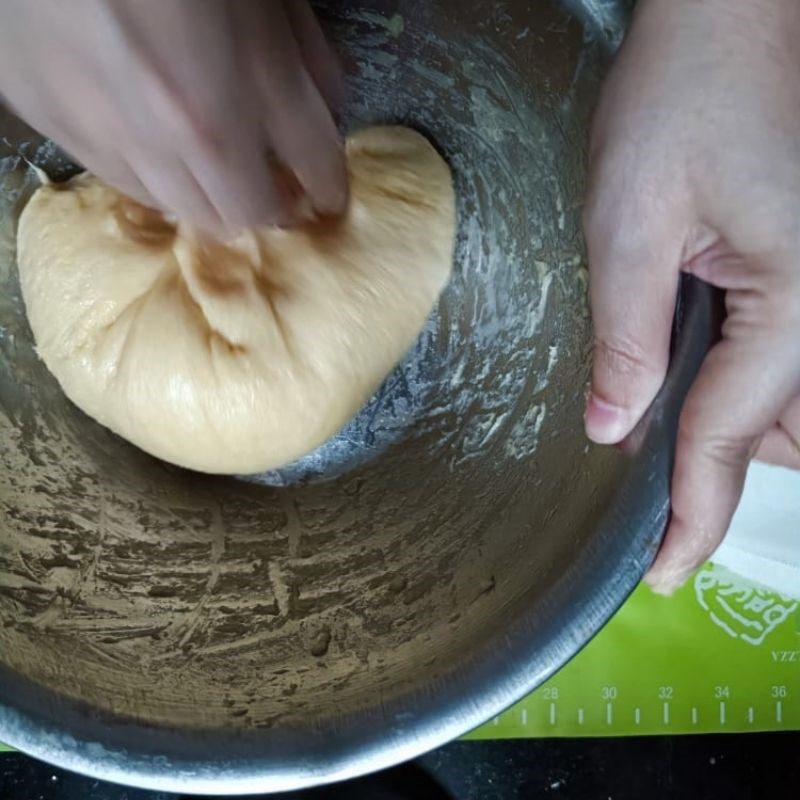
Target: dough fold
<point>237,357</point>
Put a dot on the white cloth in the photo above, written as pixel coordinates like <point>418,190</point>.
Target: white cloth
<point>763,544</point>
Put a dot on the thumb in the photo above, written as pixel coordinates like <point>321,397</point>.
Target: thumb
<point>633,280</point>
<point>741,390</point>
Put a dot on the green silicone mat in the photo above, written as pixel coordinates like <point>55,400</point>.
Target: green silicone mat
<point>721,655</point>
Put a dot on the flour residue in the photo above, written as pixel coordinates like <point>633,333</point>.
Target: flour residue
<point>393,26</point>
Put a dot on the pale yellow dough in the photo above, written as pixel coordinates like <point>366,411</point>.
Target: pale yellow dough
<point>242,357</point>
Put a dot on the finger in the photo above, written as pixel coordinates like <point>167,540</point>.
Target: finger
<point>79,144</point>
<point>320,58</point>
<point>121,176</point>
<point>781,444</point>
<point>113,168</point>
<point>177,191</point>
<point>237,182</point>
<point>298,122</point>
<point>740,391</point>
<point>634,262</point>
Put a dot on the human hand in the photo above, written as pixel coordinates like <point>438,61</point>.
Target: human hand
<point>695,167</point>
<point>184,104</point>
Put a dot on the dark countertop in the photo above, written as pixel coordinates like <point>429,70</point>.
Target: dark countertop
<point>743,767</point>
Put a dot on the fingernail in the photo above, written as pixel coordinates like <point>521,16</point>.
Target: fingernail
<point>605,423</point>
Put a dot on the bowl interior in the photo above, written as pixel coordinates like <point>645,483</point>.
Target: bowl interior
<point>391,559</point>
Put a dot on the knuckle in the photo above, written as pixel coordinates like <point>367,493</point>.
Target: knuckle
<point>729,452</point>
<point>624,358</point>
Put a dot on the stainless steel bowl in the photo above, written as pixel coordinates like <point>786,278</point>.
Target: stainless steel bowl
<point>442,556</point>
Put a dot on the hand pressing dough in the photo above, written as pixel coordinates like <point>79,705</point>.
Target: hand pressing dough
<point>238,357</point>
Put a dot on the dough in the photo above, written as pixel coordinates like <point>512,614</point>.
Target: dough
<point>238,357</point>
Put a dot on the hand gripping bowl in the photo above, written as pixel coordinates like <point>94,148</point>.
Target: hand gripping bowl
<point>432,563</point>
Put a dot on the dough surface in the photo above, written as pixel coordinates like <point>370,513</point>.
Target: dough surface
<point>240,357</point>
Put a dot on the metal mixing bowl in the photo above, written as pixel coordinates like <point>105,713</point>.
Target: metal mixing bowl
<point>438,559</point>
